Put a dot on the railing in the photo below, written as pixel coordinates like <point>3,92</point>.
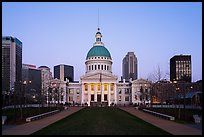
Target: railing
<point>29,119</point>
<point>160,114</point>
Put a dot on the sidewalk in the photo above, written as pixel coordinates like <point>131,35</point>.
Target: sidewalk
<point>29,128</point>
<point>167,125</point>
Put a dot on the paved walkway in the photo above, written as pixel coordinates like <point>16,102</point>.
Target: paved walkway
<point>167,125</point>
<point>29,128</point>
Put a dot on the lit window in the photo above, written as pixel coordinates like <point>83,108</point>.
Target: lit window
<point>105,87</point>
<point>99,87</point>
<point>92,87</point>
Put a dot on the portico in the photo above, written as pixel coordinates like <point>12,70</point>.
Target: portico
<point>96,93</point>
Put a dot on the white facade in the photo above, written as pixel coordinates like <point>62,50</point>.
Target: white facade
<point>98,86</point>
<point>140,91</point>
<point>123,93</point>
<point>57,92</point>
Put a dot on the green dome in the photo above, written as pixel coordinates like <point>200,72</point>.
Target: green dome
<point>98,51</point>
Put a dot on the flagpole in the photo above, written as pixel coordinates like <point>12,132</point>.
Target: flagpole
<point>101,88</point>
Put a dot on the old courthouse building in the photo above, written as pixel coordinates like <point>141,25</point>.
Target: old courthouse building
<point>99,86</point>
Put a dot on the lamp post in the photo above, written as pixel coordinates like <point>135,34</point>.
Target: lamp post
<point>24,97</point>
<point>179,109</point>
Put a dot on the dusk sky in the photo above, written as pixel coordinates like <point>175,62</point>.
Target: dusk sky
<point>55,33</point>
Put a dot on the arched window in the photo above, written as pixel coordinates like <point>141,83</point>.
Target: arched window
<point>101,67</point>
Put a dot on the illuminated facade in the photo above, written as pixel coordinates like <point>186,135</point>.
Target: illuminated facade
<point>98,86</point>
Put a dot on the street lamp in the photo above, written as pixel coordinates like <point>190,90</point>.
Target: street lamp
<point>24,97</point>
<point>25,83</point>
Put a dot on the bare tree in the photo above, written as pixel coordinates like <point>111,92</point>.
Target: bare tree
<point>156,75</point>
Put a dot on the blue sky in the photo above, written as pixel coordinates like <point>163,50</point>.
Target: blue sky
<point>62,33</point>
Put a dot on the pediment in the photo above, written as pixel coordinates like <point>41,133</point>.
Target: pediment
<point>98,76</point>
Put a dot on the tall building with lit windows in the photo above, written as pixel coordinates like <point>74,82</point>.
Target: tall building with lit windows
<point>180,68</point>
<point>11,64</point>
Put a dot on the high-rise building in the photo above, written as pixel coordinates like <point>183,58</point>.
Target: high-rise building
<point>129,67</point>
<point>64,72</point>
<point>11,64</point>
<point>31,79</point>
<point>180,68</point>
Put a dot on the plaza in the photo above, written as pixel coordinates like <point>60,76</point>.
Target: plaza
<point>166,125</point>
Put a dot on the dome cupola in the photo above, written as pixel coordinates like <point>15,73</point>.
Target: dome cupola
<point>98,58</point>
<point>98,49</point>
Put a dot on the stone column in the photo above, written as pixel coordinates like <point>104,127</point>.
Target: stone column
<point>95,92</point>
<point>109,94</point>
<point>89,94</point>
<point>115,93</point>
<point>102,92</point>
<point>82,93</point>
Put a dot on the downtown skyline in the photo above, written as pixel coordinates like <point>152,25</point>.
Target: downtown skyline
<point>155,32</point>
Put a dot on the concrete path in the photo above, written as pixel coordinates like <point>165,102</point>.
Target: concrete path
<point>29,128</point>
<point>167,125</point>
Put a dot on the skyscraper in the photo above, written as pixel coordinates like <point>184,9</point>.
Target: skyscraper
<point>180,68</point>
<point>11,63</point>
<point>129,67</point>
<point>64,71</point>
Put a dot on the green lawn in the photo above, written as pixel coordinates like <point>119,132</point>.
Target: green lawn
<point>101,121</point>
